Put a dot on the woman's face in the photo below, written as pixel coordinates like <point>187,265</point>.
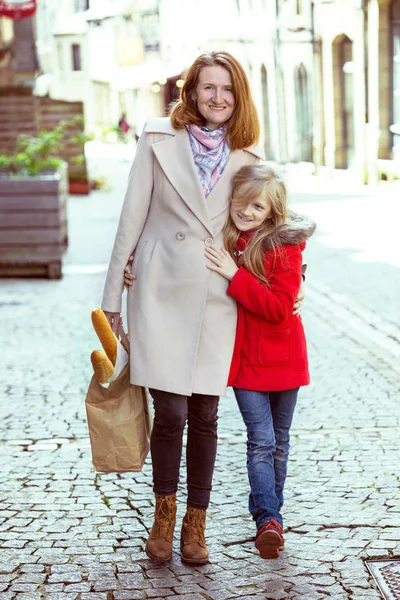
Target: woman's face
<point>214,96</point>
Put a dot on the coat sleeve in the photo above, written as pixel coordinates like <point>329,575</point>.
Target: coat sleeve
<point>131,223</point>
<point>274,303</point>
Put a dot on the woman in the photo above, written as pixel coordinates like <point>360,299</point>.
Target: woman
<point>181,321</point>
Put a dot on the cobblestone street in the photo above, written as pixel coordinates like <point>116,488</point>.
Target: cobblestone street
<point>69,534</point>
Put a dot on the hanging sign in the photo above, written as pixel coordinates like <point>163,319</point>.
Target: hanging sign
<point>17,9</point>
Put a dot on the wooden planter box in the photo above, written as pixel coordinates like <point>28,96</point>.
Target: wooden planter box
<point>33,225</point>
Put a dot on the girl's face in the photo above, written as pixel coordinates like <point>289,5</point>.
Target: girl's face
<point>214,96</point>
<point>250,216</point>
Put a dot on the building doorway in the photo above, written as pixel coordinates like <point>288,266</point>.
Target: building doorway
<point>343,84</point>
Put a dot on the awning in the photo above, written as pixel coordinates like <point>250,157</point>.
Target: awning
<point>17,9</point>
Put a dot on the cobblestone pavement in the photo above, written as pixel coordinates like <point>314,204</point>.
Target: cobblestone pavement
<point>67,533</point>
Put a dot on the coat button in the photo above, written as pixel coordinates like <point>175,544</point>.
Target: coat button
<point>208,242</point>
<point>180,236</point>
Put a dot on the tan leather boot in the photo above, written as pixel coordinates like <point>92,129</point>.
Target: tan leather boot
<point>159,543</point>
<point>193,543</point>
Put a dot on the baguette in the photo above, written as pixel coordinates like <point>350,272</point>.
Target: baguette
<point>102,366</point>
<point>105,334</point>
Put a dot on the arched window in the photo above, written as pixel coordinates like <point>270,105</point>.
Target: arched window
<point>343,88</point>
<point>396,61</point>
<point>269,154</point>
<point>303,125</point>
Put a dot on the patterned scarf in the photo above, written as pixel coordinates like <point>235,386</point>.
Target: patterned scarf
<point>210,153</point>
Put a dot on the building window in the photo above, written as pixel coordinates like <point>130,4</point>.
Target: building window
<point>396,62</point>
<point>82,5</point>
<point>76,57</point>
<point>280,4</point>
<point>151,31</point>
<point>60,57</point>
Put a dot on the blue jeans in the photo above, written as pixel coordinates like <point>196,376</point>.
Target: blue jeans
<point>268,417</point>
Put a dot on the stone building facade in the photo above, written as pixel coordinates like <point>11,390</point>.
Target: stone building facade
<point>341,64</point>
<point>325,74</point>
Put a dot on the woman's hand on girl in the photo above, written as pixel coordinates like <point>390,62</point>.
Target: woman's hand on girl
<point>221,262</point>
<point>128,276</point>
<point>299,300</point>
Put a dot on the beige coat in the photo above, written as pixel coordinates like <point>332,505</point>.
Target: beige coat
<point>181,322</point>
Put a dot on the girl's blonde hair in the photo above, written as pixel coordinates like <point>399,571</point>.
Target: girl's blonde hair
<point>243,128</point>
<point>249,183</point>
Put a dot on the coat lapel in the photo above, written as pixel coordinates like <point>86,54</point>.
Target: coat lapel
<point>176,160</point>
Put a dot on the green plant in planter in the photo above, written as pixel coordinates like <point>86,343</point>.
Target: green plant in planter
<point>74,134</point>
<point>39,154</point>
<point>34,155</point>
<point>78,160</point>
<point>81,137</point>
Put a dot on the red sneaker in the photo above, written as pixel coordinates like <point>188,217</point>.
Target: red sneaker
<point>269,539</point>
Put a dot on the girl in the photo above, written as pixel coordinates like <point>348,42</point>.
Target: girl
<point>263,261</point>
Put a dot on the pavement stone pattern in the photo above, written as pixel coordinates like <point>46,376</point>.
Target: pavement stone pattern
<point>68,533</point>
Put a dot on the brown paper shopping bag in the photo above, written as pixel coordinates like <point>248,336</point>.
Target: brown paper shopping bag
<point>119,423</point>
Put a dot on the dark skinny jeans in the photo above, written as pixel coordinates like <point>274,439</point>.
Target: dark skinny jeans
<point>171,412</point>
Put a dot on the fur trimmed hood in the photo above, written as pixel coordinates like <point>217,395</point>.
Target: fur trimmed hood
<point>296,230</point>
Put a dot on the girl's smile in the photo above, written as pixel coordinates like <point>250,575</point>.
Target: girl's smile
<point>245,219</point>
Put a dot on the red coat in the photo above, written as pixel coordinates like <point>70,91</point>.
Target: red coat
<point>270,352</point>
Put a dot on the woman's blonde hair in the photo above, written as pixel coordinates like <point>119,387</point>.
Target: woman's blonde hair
<point>249,183</point>
<point>243,128</point>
